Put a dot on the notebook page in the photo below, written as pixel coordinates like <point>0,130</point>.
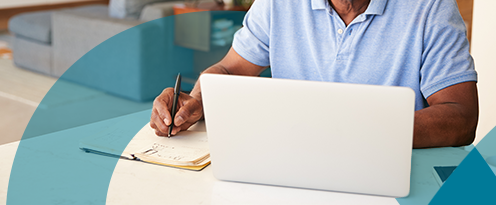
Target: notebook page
<point>174,154</point>
<point>186,148</point>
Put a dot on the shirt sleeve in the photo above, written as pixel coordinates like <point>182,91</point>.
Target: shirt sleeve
<point>252,41</point>
<point>446,60</point>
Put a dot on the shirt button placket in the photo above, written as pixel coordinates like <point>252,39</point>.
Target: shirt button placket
<point>340,35</point>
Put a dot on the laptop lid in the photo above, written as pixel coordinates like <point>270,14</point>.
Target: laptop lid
<point>316,135</point>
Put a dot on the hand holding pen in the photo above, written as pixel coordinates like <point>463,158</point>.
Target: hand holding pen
<point>174,111</point>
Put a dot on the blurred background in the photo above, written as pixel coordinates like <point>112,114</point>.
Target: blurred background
<point>41,39</point>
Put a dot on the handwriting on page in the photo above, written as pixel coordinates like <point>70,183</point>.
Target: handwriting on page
<point>175,153</point>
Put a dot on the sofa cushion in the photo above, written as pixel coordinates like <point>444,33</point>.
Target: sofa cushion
<point>32,55</point>
<point>33,25</point>
<point>130,9</point>
<point>99,10</point>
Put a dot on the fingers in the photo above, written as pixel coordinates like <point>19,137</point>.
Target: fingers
<point>175,130</point>
<point>161,118</point>
<point>157,123</point>
<point>189,112</point>
<point>187,116</point>
<point>163,104</point>
<point>158,133</point>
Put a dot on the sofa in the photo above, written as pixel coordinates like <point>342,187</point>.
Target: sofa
<point>50,42</point>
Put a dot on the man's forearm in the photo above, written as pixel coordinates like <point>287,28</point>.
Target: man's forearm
<point>216,69</point>
<point>443,125</point>
<point>451,118</point>
<point>232,63</point>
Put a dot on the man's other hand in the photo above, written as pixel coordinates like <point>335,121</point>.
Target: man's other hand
<point>189,111</point>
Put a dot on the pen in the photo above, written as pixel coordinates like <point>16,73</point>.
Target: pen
<point>177,90</point>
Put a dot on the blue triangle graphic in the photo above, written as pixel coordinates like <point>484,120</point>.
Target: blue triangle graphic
<point>487,146</point>
<point>472,182</point>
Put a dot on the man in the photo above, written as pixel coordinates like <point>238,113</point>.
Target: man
<point>418,44</point>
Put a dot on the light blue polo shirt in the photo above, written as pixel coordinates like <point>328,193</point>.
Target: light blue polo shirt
<point>419,44</point>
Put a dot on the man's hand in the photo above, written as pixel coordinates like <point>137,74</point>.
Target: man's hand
<point>189,111</point>
<point>190,108</point>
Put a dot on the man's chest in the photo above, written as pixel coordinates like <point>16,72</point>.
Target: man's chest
<point>368,50</point>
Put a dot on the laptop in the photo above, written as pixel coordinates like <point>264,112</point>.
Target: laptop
<point>306,134</point>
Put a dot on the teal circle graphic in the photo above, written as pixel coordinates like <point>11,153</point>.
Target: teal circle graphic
<point>116,80</point>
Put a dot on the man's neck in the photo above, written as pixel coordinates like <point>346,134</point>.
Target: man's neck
<point>349,9</point>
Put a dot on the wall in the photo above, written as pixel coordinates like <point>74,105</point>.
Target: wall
<point>22,3</point>
<point>466,9</point>
<point>484,53</point>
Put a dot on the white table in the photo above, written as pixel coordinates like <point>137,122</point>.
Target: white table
<point>135,182</point>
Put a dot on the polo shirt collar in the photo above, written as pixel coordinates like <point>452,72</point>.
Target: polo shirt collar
<point>375,7</point>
